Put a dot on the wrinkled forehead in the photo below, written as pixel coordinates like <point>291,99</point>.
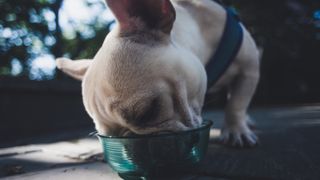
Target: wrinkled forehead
<point>143,45</point>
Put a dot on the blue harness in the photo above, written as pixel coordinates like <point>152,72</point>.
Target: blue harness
<point>228,48</point>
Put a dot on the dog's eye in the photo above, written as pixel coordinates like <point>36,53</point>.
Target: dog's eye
<point>142,113</point>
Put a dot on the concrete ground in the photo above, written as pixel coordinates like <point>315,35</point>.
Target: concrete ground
<point>289,149</point>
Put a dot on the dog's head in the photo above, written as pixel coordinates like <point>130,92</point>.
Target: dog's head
<point>141,81</point>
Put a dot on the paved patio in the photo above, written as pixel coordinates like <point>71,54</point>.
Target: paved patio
<point>289,149</point>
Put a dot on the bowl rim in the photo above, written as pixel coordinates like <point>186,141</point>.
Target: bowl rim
<point>205,124</point>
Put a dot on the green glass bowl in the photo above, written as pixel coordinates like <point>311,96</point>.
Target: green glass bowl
<point>142,157</point>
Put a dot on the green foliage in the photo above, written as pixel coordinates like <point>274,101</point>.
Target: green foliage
<point>30,28</point>
<point>24,28</point>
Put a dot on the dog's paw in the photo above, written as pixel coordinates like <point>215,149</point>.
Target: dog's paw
<point>238,136</point>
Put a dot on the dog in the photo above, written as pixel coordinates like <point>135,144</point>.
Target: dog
<point>149,76</point>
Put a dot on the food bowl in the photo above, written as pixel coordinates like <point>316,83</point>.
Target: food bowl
<point>148,156</point>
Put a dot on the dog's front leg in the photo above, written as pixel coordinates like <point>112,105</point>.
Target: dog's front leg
<point>236,131</point>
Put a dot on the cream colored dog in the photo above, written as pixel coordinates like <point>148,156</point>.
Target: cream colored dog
<point>149,75</point>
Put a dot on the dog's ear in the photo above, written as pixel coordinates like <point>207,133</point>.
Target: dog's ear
<point>132,15</point>
<point>76,69</point>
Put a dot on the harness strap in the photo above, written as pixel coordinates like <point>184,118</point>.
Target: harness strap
<point>228,48</point>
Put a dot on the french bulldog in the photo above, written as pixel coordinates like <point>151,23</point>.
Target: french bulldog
<point>149,75</point>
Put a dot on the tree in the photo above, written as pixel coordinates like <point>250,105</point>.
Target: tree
<point>30,28</point>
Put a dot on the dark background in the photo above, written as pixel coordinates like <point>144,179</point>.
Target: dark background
<point>37,102</point>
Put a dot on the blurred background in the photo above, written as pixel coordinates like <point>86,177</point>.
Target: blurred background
<point>36,99</point>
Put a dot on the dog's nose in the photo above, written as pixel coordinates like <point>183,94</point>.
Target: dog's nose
<point>128,133</point>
